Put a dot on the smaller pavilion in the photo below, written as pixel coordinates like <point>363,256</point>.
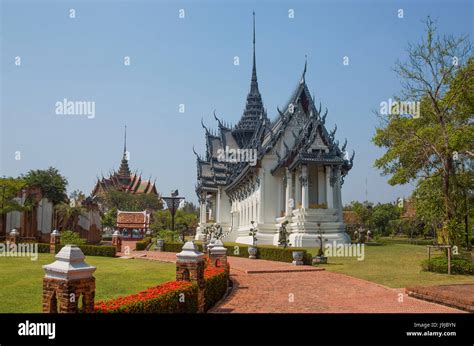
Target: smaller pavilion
<point>133,224</point>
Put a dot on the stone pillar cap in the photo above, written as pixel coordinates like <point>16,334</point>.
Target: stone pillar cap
<point>218,248</point>
<point>14,232</point>
<point>189,253</point>
<point>69,265</point>
<point>116,233</point>
<point>55,232</point>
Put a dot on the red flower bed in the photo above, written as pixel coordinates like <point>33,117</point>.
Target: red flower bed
<point>150,293</point>
<point>210,271</point>
<point>167,296</point>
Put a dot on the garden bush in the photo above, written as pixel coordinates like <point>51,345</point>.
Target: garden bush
<point>440,265</point>
<point>216,285</point>
<point>43,248</point>
<point>142,244</point>
<point>93,250</point>
<point>279,254</point>
<point>266,252</point>
<point>168,235</point>
<point>165,298</point>
<point>70,237</point>
<point>173,247</point>
<point>168,297</point>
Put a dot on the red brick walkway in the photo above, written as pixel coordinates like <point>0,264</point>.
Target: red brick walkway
<point>266,287</point>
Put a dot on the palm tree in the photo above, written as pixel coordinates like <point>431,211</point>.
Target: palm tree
<point>68,216</point>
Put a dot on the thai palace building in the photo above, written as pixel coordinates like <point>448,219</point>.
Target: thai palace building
<point>289,169</point>
<point>131,224</point>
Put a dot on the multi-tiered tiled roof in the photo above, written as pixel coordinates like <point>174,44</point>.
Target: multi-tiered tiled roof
<point>311,141</point>
<point>124,180</point>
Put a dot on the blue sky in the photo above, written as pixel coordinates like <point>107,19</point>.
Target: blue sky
<point>190,61</point>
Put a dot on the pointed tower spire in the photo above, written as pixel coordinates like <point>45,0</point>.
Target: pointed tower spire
<point>254,113</point>
<point>304,71</point>
<point>254,83</point>
<point>124,170</point>
<point>125,141</point>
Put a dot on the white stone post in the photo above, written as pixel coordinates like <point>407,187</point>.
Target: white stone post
<point>66,280</point>
<point>329,192</point>
<point>190,267</point>
<point>14,235</point>
<point>288,209</point>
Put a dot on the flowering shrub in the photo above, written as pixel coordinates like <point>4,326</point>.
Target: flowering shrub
<point>217,279</point>
<point>170,297</point>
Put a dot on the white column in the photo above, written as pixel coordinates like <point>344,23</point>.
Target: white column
<point>246,213</point>
<point>239,210</point>
<point>329,192</point>
<point>203,207</point>
<point>304,187</point>
<point>297,189</point>
<point>321,185</point>
<point>255,209</point>
<point>338,187</point>
<point>288,193</point>
<point>218,205</point>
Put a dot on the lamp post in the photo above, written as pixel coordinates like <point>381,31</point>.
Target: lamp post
<point>173,203</point>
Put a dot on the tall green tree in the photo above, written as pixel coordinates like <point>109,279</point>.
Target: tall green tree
<point>9,189</point>
<point>52,184</point>
<point>439,74</point>
<point>123,200</point>
<point>382,214</point>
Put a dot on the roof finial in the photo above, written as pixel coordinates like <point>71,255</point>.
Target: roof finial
<point>254,67</point>
<point>304,71</point>
<point>125,142</point>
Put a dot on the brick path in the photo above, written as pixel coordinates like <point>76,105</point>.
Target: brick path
<point>459,296</point>
<point>266,287</point>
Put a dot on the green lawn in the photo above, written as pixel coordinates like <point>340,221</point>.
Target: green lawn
<point>21,279</point>
<point>393,265</point>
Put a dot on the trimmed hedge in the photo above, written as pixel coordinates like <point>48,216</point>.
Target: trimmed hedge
<point>216,287</point>
<point>44,248</point>
<point>172,296</point>
<point>172,247</point>
<point>266,252</point>
<point>440,265</point>
<point>88,250</point>
<point>142,244</point>
<point>93,250</point>
<point>170,302</point>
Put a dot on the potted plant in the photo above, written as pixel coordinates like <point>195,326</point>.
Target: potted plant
<point>253,249</point>
<point>320,258</point>
<point>160,244</point>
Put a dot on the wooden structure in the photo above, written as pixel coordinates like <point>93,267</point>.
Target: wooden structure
<point>130,222</point>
